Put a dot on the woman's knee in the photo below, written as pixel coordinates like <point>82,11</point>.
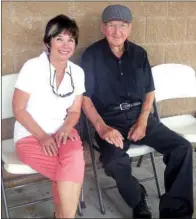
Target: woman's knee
<point>78,159</point>
<point>72,165</point>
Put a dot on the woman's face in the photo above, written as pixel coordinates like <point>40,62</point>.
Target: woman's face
<point>62,46</point>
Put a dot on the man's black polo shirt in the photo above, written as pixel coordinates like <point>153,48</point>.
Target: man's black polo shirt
<point>110,80</point>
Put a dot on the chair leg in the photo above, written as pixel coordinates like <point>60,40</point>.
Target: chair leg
<point>83,204</point>
<point>79,208</point>
<point>95,170</point>
<point>194,151</point>
<point>155,174</point>
<point>4,198</point>
<point>140,161</point>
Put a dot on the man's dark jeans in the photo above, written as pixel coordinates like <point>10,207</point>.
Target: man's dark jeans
<point>177,202</point>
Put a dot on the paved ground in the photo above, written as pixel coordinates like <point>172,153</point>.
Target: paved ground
<point>115,206</point>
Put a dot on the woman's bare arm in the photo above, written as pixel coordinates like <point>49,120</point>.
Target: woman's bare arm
<point>19,102</point>
<point>73,114</point>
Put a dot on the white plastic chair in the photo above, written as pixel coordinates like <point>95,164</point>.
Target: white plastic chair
<point>173,81</point>
<point>11,162</point>
<point>176,81</point>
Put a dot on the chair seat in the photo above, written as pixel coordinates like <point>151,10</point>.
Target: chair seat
<point>184,125</point>
<point>139,150</point>
<point>12,163</point>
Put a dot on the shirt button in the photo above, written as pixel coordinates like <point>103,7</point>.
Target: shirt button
<point>119,62</point>
<point>121,73</point>
<point>129,94</point>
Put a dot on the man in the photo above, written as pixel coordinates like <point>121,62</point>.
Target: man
<point>118,101</point>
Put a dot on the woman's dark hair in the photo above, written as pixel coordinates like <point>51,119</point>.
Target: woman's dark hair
<point>58,25</point>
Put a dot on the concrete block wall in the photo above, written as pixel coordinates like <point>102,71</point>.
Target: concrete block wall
<point>167,30</point>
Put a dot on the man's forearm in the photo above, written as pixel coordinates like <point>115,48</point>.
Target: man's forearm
<point>92,114</point>
<point>147,106</point>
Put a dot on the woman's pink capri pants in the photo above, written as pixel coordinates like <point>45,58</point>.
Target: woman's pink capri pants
<point>68,165</point>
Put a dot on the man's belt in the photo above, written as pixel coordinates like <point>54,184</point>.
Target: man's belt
<point>124,106</point>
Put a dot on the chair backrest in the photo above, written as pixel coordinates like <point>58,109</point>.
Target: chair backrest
<point>8,83</point>
<point>174,81</point>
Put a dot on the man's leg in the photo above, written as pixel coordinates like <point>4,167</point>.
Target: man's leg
<point>177,155</point>
<point>117,165</point>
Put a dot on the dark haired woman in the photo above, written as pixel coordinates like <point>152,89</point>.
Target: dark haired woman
<point>47,105</point>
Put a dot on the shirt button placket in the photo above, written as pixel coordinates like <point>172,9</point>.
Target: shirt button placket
<point>119,62</point>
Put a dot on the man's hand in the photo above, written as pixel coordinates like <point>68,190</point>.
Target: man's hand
<point>49,145</point>
<point>137,131</point>
<point>107,133</point>
<point>111,135</point>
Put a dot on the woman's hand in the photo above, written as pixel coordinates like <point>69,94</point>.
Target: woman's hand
<point>49,145</point>
<point>62,135</point>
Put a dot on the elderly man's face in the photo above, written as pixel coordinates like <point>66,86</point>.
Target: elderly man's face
<point>116,32</point>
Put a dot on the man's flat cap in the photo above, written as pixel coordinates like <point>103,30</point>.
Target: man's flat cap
<point>116,12</point>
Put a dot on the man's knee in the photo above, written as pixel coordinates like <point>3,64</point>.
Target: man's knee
<point>184,149</point>
<point>186,146</point>
<point>118,168</point>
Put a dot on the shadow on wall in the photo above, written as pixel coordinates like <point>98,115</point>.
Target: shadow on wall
<point>90,32</point>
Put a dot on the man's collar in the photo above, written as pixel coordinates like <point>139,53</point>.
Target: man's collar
<point>126,47</point>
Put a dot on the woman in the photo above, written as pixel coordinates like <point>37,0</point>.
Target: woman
<point>47,104</point>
